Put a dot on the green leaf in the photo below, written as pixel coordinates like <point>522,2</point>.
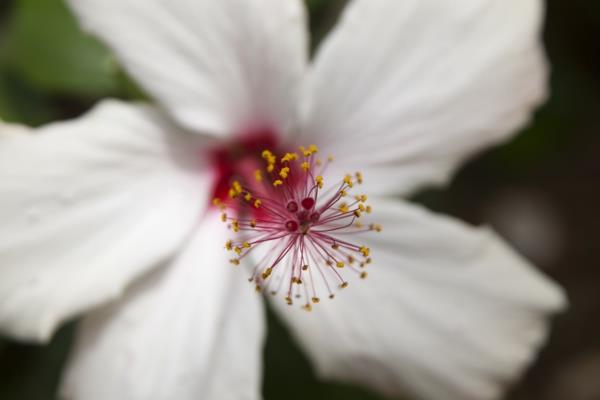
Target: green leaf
<point>19,102</point>
<point>46,46</point>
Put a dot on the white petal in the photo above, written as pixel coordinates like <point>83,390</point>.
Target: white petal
<point>448,312</point>
<point>220,66</point>
<point>193,330</point>
<point>86,206</point>
<point>408,89</point>
<point>13,129</point>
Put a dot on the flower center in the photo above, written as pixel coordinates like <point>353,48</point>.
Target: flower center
<point>302,227</point>
<point>239,158</point>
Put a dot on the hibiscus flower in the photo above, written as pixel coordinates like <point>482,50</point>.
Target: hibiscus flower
<point>112,214</point>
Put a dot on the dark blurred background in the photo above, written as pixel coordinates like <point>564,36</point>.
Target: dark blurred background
<point>541,191</point>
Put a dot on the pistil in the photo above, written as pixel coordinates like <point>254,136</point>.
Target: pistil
<point>285,211</point>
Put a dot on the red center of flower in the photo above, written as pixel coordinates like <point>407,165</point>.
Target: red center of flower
<point>279,203</point>
<point>238,158</point>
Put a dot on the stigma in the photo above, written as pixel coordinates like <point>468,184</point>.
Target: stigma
<point>303,226</point>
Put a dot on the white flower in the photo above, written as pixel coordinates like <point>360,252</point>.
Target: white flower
<point>115,206</point>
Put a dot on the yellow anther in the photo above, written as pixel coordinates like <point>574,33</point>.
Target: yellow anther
<point>238,250</point>
<point>312,149</point>
<point>267,273</point>
<point>258,288</point>
<point>248,196</point>
<point>344,208</point>
<point>320,182</point>
<point>229,245</point>
<point>246,245</point>
<point>361,197</point>
<point>269,157</point>
<point>257,204</point>
<point>270,168</point>
<point>362,207</point>
<point>223,217</point>
<point>330,158</point>
<point>376,227</point>
<point>344,285</point>
<point>368,209</point>
<point>284,172</point>
<point>235,190</point>
<point>318,163</point>
<point>289,157</point>
<point>253,222</point>
<point>307,307</point>
<point>358,224</point>
<point>258,175</point>
<point>340,264</point>
<point>216,202</point>
<point>289,301</point>
<point>308,151</point>
<point>315,300</point>
<point>359,178</point>
<point>235,225</point>
<point>357,213</point>
<point>278,182</point>
<point>305,166</point>
<point>343,193</point>
<point>348,181</point>
<point>363,275</point>
<point>365,251</point>
<point>235,261</point>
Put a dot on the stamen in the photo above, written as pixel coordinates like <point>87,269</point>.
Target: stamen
<point>283,206</point>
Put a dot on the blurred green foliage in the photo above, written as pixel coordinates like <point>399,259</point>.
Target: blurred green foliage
<point>44,43</point>
<point>32,372</point>
<point>49,68</point>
